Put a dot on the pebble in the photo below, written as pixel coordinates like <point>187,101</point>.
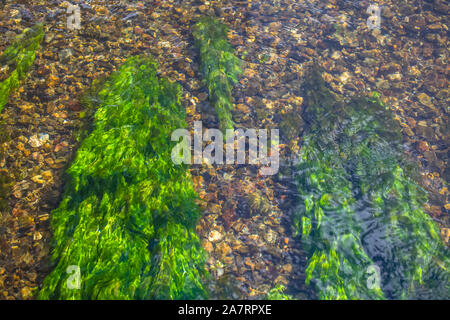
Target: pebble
<point>38,179</point>
<point>287,268</point>
<point>336,55</point>
<point>344,77</point>
<point>215,236</point>
<point>382,84</point>
<point>424,99</point>
<point>248,262</point>
<point>223,249</point>
<point>38,140</point>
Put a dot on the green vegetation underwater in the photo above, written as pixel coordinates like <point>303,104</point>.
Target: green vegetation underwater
<point>130,223</point>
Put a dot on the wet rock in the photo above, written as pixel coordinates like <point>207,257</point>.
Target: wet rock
<point>248,262</point>
<point>215,236</point>
<point>441,6</point>
<point>270,236</point>
<point>386,12</point>
<point>38,140</point>
<point>423,146</point>
<point>207,246</point>
<point>415,23</point>
<point>382,84</point>
<point>424,130</point>
<point>223,249</point>
<point>287,268</point>
<point>424,99</point>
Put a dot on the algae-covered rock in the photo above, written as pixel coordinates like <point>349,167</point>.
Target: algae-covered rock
<point>219,65</point>
<point>126,225</point>
<point>19,57</point>
<point>361,214</point>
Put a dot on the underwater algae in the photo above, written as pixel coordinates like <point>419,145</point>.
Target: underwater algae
<point>220,67</point>
<point>360,209</point>
<point>19,57</point>
<point>277,293</point>
<point>127,219</point>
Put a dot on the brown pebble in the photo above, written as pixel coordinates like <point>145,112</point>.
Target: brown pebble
<point>422,146</point>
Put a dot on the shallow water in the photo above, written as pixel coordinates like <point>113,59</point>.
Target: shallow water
<point>247,227</point>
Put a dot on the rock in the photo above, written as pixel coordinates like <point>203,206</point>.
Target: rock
<point>38,179</point>
<point>250,73</point>
<point>415,23</point>
<point>270,236</point>
<point>425,99</point>
<point>287,268</point>
<point>47,175</point>
<point>395,76</point>
<point>445,233</point>
<point>382,84</point>
<point>26,292</point>
<point>275,26</point>
<point>414,71</point>
<point>202,96</point>
<point>207,246</point>
<point>422,146</point>
<point>441,7</point>
<point>26,106</point>
<point>243,108</point>
<point>336,55</point>
<point>435,27</point>
<point>240,247</point>
<point>406,9</point>
<point>65,53</point>
<point>344,77</point>
<point>424,130</point>
<point>215,236</point>
<point>248,262</point>
<point>386,12</point>
<point>38,140</point>
<point>223,250</point>
<point>408,131</point>
<point>138,30</point>
<point>74,105</point>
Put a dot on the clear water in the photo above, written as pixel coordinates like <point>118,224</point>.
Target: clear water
<point>253,238</point>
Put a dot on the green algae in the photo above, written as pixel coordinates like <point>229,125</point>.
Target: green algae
<point>127,219</point>
<point>277,293</point>
<point>360,208</point>
<point>19,56</point>
<point>221,68</point>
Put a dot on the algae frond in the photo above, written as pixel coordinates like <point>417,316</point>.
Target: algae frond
<point>19,57</point>
<point>127,219</point>
<point>360,207</point>
<point>221,68</point>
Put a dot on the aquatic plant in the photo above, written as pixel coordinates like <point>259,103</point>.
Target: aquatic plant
<point>219,65</point>
<point>360,208</point>
<point>277,293</point>
<point>19,57</point>
<point>127,219</point>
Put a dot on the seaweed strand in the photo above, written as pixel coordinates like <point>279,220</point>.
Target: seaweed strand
<point>219,65</point>
<point>128,216</point>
